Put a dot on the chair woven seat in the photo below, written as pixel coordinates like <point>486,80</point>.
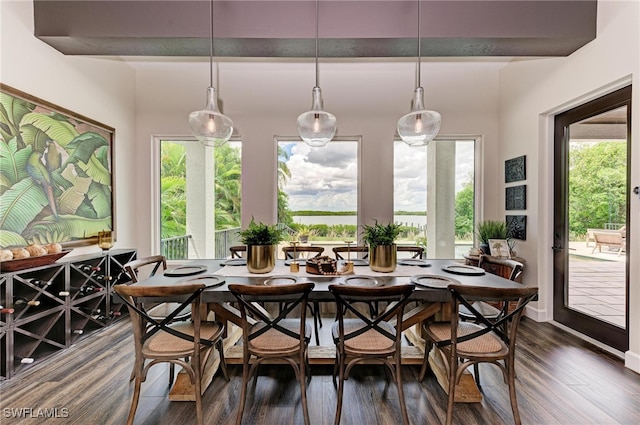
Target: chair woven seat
<point>487,343</point>
<point>275,341</point>
<point>370,342</point>
<point>165,343</point>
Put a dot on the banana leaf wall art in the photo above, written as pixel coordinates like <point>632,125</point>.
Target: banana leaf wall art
<point>56,182</point>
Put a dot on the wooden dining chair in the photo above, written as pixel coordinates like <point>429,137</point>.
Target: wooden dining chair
<point>462,344</point>
<point>187,344</point>
<point>340,252</point>
<point>265,338</point>
<point>149,266</point>
<point>315,307</point>
<point>414,251</point>
<point>238,251</point>
<point>368,340</point>
<point>307,250</point>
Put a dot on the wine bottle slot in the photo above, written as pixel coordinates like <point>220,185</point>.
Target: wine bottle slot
<point>103,277</point>
<point>89,268</point>
<point>63,293</point>
<point>90,310</point>
<point>22,301</point>
<point>6,310</point>
<point>115,314</point>
<point>40,283</point>
<point>26,360</point>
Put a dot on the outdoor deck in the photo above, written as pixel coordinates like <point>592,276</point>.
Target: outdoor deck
<point>597,283</point>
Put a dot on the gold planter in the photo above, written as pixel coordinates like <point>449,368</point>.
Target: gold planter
<point>261,258</point>
<point>383,258</point>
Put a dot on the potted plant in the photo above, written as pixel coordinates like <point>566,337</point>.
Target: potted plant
<point>261,241</point>
<point>382,247</point>
<point>491,229</point>
<point>304,233</point>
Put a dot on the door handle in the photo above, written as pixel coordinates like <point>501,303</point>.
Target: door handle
<point>557,248</point>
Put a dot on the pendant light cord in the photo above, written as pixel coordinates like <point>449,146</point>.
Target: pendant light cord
<point>211,44</point>
<point>419,46</point>
<point>317,85</point>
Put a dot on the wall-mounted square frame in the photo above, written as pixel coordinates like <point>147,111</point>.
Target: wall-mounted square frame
<point>516,197</point>
<point>56,183</point>
<point>515,169</point>
<point>517,226</point>
<point>499,248</point>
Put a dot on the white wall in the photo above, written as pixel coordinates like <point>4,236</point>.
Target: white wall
<point>264,99</point>
<point>103,90</point>
<point>530,93</point>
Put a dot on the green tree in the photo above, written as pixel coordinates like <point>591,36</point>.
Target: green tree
<point>597,185</point>
<point>464,211</point>
<point>173,199</point>
<point>228,186</point>
<point>284,174</point>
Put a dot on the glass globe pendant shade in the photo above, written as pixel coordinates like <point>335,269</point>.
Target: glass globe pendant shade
<point>209,125</point>
<point>420,126</point>
<point>316,127</point>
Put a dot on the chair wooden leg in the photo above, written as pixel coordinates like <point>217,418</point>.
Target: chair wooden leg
<point>476,373</point>
<point>223,362</point>
<point>511,377</point>
<point>172,370</point>
<point>198,393</point>
<point>303,391</point>
<point>134,401</point>
<point>403,406</point>
<point>340,393</point>
<point>453,371</point>
<point>243,392</point>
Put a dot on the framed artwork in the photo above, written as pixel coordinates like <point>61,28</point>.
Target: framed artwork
<point>516,197</point>
<point>56,181</point>
<point>517,226</point>
<point>499,248</point>
<point>515,169</point>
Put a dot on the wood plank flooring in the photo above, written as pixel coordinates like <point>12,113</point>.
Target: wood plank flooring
<point>561,380</point>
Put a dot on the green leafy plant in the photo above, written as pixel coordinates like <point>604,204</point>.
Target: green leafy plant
<point>492,229</point>
<point>380,234</point>
<point>261,234</point>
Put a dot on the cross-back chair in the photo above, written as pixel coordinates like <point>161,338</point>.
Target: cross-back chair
<point>462,344</point>
<point>414,251</point>
<point>308,250</point>
<point>150,266</point>
<point>504,267</point>
<point>238,251</point>
<point>267,338</point>
<point>340,252</point>
<point>364,339</point>
<point>187,344</point>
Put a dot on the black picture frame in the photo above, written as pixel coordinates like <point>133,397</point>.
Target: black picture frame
<point>515,169</point>
<point>516,197</point>
<point>517,226</point>
<point>66,161</point>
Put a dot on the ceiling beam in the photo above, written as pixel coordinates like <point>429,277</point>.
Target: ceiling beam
<point>347,28</point>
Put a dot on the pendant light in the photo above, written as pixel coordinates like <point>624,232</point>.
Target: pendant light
<point>209,125</point>
<point>420,126</point>
<point>316,127</point>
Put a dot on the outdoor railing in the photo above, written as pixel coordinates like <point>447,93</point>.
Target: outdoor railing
<point>175,248</point>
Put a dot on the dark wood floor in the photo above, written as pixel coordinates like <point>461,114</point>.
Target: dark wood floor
<point>561,380</point>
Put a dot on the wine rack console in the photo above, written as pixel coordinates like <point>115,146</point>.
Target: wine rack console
<point>46,309</point>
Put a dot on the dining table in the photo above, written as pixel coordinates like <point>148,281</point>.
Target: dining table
<point>431,278</point>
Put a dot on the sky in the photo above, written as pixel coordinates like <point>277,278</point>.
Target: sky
<point>325,178</point>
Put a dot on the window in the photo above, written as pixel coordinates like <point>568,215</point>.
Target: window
<point>434,196</point>
<point>318,190</point>
<point>200,199</point>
